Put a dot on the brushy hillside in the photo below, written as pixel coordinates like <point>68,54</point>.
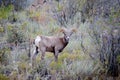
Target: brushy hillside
<point>93,51</point>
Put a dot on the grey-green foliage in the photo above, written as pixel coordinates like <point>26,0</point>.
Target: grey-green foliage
<point>18,4</point>
<point>4,55</point>
<point>16,35</point>
<point>5,11</point>
<point>3,77</point>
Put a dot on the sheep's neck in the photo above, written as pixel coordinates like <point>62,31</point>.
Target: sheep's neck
<point>64,41</point>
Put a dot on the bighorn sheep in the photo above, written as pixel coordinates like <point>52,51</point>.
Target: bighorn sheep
<point>52,44</point>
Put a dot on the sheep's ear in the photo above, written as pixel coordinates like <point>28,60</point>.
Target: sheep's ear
<point>74,30</point>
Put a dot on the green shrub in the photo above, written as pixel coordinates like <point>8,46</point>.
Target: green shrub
<point>1,29</point>
<point>3,55</point>
<point>2,77</point>
<point>56,65</point>
<point>118,59</point>
<point>5,11</point>
<point>15,35</point>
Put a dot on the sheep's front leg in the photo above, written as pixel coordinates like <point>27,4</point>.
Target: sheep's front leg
<point>56,55</point>
<point>33,57</point>
<point>43,50</point>
<point>35,52</point>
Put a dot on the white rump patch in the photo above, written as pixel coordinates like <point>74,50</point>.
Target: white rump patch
<point>37,40</point>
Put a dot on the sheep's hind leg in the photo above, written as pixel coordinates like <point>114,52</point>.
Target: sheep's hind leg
<point>33,58</point>
<point>43,50</point>
<point>56,55</point>
<point>35,52</point>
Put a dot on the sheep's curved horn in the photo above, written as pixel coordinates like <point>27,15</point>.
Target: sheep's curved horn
<point>74,30</point>
<point>62,30</point>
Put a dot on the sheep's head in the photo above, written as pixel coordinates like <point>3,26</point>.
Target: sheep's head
<point>67,33</point>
